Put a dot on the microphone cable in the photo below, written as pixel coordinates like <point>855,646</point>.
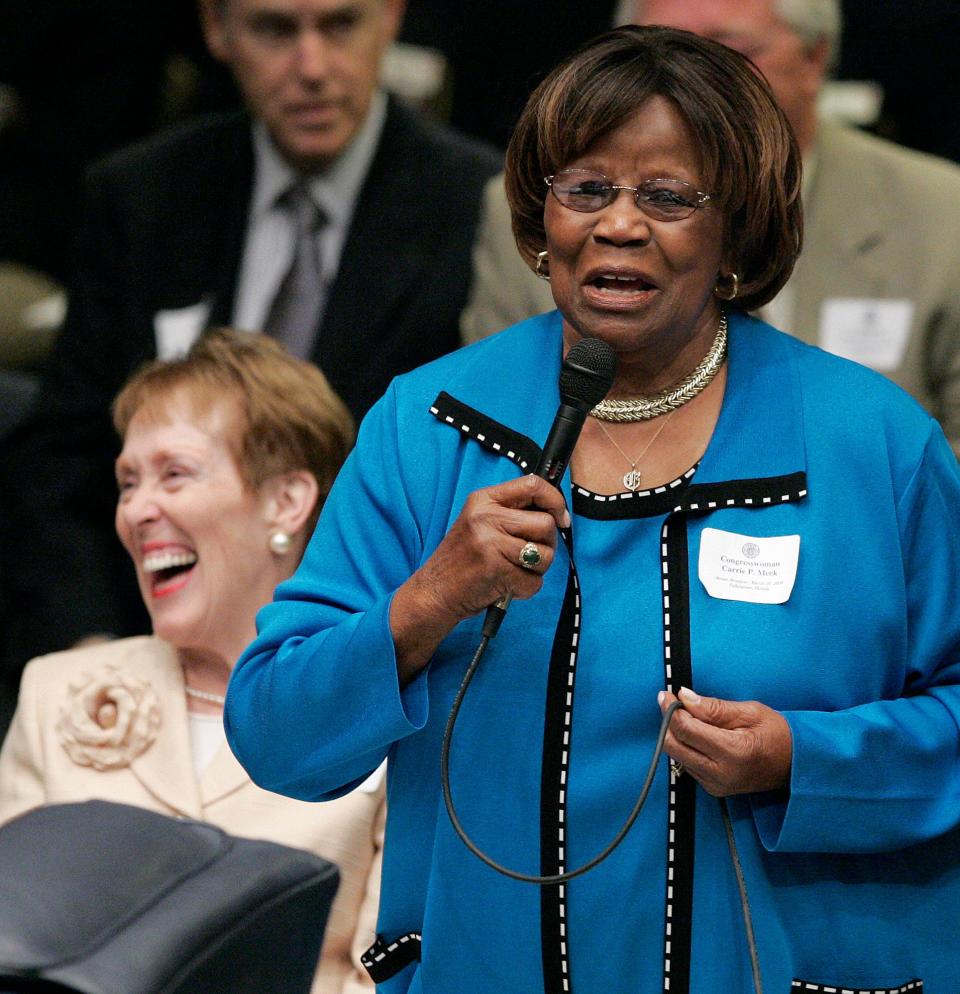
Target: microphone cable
<point>531,878</point>
<point>586,375</point>
<point>561,878</point>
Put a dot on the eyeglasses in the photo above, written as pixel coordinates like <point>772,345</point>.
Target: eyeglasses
<point>661,199</point>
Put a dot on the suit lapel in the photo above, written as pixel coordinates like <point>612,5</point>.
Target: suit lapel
<point>229,210</point>
<point>166,768</point>
<point>375,271</point>
<point>854,240</point>
<point>222,777</point>
<point>191,250</point>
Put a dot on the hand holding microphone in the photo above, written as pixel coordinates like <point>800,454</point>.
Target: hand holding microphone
<point>478,564</point>
<point>585,377</point>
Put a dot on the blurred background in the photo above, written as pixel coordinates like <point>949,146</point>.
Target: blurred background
<point>79,80</point>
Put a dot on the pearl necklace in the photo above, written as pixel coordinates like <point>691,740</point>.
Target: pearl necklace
<point>645,408</point>
<point>205,695</point>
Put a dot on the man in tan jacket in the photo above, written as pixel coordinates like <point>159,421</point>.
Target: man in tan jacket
<point>879,277</point>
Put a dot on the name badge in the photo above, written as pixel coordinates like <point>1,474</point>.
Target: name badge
<point>177,329</point>
<point>872,332</point>
<point>736,567</point>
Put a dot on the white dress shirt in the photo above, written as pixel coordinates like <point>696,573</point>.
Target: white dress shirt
<point>269,245</point>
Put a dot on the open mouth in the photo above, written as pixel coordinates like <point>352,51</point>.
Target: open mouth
<point>621,284</point>
<point>168,570</point>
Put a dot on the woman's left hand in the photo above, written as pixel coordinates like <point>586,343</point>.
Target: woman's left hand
<point>729,747</point>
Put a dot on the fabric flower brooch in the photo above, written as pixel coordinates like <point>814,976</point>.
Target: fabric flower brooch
<point>110,718</point>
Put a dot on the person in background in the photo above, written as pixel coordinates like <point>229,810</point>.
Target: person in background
<point>754,526</point>
<point>879,277</point>
<point>228,455</point>
<point>327,214</point>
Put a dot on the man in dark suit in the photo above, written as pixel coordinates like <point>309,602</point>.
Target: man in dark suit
<point>195,229</point>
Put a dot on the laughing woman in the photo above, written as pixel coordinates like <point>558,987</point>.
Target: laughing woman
<point>227,457</point>
<point>768,526</point>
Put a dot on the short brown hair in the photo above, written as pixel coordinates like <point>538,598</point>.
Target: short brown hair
<point>750,160</point>
<point>290,417</point>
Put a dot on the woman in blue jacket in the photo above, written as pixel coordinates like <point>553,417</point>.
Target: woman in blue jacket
<point>767,531</point>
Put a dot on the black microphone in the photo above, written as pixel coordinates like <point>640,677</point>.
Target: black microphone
<point>585,377</point>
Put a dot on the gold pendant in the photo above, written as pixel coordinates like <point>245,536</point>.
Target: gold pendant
<point>631,480</point>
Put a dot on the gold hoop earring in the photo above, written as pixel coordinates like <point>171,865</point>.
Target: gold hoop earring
<point>542,258</point>
<point>728,293</point>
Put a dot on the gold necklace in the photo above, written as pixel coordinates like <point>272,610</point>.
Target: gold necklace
<point>645,408</point>
<point>631,480</point>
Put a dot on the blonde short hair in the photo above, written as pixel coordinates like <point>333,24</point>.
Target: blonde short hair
<point>290,418</point>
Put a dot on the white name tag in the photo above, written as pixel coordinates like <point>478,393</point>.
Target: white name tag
<point>176,330</point>
<point>872,332</point>
<point>736,567</point>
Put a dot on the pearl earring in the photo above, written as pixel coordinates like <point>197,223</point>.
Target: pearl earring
<point>280,543</point>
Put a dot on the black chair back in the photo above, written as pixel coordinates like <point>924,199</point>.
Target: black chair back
<point>102,898</point>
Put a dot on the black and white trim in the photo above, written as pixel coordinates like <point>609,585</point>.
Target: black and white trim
<point>705,497</point>
<point>803,987</point>
<point>558,727</point>
<point>383,961</point>
<point>492,435</point>
<point>681,795</point>
<point>636,504</point>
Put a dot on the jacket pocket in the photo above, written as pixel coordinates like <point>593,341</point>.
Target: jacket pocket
<point>383,960</point>
<point>806,987</point>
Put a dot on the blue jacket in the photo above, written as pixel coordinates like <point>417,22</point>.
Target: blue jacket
<point>853,875</point>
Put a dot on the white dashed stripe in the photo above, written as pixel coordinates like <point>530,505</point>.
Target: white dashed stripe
<point>369,960</point>
<point>672,794</point>
<point>802,985</point>
<point>740,502</point>
<point>564,771</point>
<point>629,495</point>
<point>480,437</point>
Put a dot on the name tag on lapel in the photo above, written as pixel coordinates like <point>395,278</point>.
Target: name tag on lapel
<point>178,328</point>
<point>736,567</point>
<point>872,332</point>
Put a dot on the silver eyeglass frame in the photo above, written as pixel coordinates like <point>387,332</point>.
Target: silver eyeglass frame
<point>701,198</point>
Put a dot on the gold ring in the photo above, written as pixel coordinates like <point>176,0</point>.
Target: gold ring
<point>530,556</point>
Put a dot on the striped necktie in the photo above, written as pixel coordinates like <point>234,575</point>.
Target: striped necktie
<point>295,313</point>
